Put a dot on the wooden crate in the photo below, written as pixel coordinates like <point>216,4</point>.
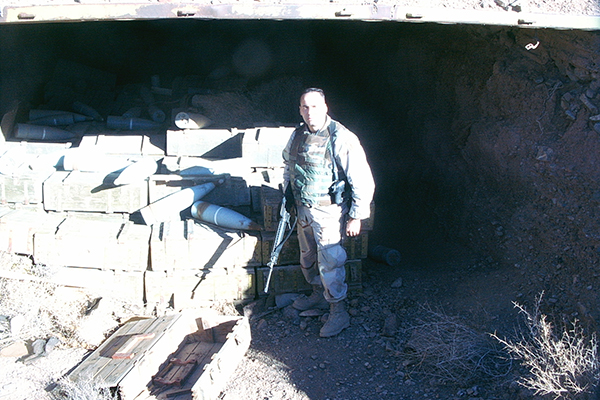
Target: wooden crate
<point>87,192</point>
<point>183,356</point>
<point>122,285</point>
<point>290,252</point>
<point>263,147</point>
<point>358,246</point>
<point>191,245</point>
<point>24,186</point>
<point>19,226</point>
<point>270,199</point>
<point>290,279</point>
<point>233,192</point>
<point>206,143</point>
<point>114,144</point>
<point>192,288</point>
<point>95,241</point>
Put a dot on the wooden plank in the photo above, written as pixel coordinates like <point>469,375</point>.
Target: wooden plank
<point>290,252</point>
<point>128,286</point>
<point>24,186</point>
<point>207,143</point>
<point>262,147</point>
<point>87,191</point>
<point>94,365</point>
<point>193,288</point>
<point>130,250</point>
<point>81,240</point>
<point>190,245</point>
<point>18,227</point>
<point>114,144</point>
<point>139,377</point>
<point>221,368</point>
<point>270,204</point>
<point>290,279</point>
<point>234,191</point>
<point>357,246</point>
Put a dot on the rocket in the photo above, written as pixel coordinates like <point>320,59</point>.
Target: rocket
<point>137,171</point>
<point>41,132</point>
<point>169,206</point>
<point>223,217</point>
<point>36,114</point>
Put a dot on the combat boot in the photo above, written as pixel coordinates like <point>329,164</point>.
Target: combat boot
<point>338,320</point>
<point>314,301</point>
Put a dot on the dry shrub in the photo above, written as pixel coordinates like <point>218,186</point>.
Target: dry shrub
<point>563,364</point>
<point>84,389</point>
<point>46,313</point>
<point>444,347</point>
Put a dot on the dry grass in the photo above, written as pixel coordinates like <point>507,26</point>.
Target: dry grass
<point>444,347</point>
<point>564,364</point>
<point>83,389</point>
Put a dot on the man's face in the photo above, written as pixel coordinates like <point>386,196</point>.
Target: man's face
<point>313,110</point>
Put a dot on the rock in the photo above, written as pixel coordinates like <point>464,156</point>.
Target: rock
<point>397,283</point>
<point>595,118</point>
<point>262,324</point>
<point>390,326</point>
<point>571,115</point>
<point>38,346</point>
<point>290,313</point>
<point>51,344</point>
<point>285,299</point>
<point>312,313</point>
<point>588,104</point>
<point>502,3</point>
<point>16,324</point>
<point>16,349</point>
<point>597,127</point>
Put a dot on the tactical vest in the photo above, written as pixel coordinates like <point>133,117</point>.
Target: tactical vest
<point>310,167</point>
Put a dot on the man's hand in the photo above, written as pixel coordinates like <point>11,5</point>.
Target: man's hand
<point>352,227</point>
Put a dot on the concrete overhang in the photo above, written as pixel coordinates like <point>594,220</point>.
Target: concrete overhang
<point>375,11</point>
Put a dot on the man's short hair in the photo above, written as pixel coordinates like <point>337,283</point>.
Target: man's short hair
<point>314,90</point>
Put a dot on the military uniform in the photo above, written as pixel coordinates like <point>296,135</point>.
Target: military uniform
<point>321,223</point>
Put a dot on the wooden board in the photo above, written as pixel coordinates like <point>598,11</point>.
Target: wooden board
<point>233,192</point>
<point>129,357</point>
<point>270,199</point>
<point>19,226</point>
<point>290,279</point>
<point>358,246</point>
<point>263,147</point>
<point>114,144</point>
<point>193,288</point>
<point>190,245</point>
<point>95,241</point>
<point>23,186</point>
<point>87,192</point>
<point>206,143</point>
<point>290,252</point>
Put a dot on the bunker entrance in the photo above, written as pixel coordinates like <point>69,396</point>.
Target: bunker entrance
<point>478,135</point>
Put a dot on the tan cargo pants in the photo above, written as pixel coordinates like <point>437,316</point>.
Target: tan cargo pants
<point>322,256</point>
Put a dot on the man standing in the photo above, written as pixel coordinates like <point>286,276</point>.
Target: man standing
<point>320,151</point>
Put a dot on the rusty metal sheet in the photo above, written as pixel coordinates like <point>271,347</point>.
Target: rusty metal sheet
<point>318,10</point>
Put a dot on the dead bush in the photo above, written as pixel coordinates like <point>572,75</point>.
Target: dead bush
<point>562,364</point>
<point>84,389</point>
<point>444,347</point>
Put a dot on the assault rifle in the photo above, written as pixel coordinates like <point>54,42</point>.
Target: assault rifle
<point>280,238</point>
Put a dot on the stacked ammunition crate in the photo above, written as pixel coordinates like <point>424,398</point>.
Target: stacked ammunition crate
<point>62,206</point>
